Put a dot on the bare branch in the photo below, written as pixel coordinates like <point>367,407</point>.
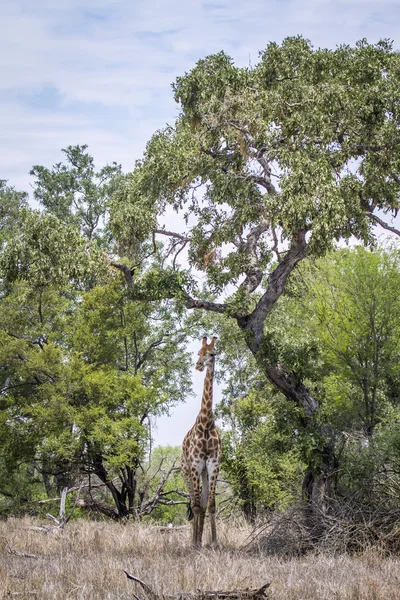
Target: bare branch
<point>159,497</point>
<point>127,271</point>
<point>240,594</point>
<point>276,287</point>
<point>275,247</point>
<point>147,352</point>
<point>253,271</point>
<point>383,224</point>
<point>177,254</point>
<point>63,520</point>
<point>146,588</point>
<point>204,304</point>
<point>174,234</point>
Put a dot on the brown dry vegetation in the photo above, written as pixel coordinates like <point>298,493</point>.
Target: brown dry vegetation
<point>87,560</point>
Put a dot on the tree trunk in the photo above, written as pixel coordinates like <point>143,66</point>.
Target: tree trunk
<point>118,497</point>
<point>249,510</point>
<point>317,479</point>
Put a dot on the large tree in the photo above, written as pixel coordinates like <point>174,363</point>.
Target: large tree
<point>84,367</point>
<point>355,303</point>
<point>266,165</point>
<point>336,326</point>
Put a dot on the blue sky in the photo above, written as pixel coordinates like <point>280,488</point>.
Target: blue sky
<point>99,72</point>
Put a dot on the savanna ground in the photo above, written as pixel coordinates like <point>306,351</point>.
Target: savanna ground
<point>87,561</point>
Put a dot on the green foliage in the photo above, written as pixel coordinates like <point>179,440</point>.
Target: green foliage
<point>337,328</point>
<point>162,459</point>
<point>79,379</point>
<point>19,487</point>
<point>355,300</point>
<point>262,453</point>
<point>46,250</point>
<point>83,366</point>
<point>75,193</point>
<point>369,469</point>
<point>11,204</point>
<point>263,446</point>
<point>324,122</point>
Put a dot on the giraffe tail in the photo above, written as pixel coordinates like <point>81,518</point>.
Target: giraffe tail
<point>189,512</point>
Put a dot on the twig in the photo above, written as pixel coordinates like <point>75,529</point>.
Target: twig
<point>146,588</point>
<point>15,553</point>
<point>63,520</point>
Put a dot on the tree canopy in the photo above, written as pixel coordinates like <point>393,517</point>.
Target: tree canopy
<point>267,165</point>
<point>85,368</point>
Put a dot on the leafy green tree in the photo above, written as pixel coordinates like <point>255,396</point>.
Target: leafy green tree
<point>134,341</point>
<point>337,326</point>
<point>30,359</point>
<point>167,501</point>
<point>44,251</point>
<point>356,303</point>
<point>267,165</point>
<point>84,367</point>
<point>76,193</point>
<point>340,314</point>
<point>11,204</point>
<point>81,380</point>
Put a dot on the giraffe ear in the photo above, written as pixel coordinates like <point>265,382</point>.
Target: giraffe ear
<point>204,341</point>
<point>213,342</point>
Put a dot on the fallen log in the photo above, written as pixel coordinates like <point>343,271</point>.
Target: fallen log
<point>241,594</point>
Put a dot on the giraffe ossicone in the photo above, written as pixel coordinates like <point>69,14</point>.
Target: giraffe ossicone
<point>201,452</point>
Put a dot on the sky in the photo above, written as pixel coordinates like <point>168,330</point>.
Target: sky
<point>99,72</point>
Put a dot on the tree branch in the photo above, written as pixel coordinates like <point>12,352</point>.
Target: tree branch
<point>174,234</point>
<point>383,224</point>
<point>276,286</point>
<point>361,148</point>
<point>292,388</point>
<point>146,353</point>
<point>258,154</point>
<point>127,271</point>
<point>204,304</point>
<point>253,272</point>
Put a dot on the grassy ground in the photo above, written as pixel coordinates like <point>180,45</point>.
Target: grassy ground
<point>87,559</point>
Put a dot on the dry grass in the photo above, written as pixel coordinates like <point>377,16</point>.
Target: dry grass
<point>86,561</point>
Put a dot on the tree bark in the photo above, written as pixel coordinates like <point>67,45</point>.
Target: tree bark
<point>317,479</point>
<point>318,476</point>
<point>119,501</point>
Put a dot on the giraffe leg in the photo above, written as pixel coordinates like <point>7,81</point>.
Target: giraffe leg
<point>189,486</point>
<point>189,475</point>
<point>196,471</point>
<point>203,502</point>
<point>196,518</point>
<point>213,470</point>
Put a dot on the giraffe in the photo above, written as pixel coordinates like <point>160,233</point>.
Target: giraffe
<point>201,451</point>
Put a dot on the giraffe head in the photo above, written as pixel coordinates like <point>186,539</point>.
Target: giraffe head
<point>206,354</point>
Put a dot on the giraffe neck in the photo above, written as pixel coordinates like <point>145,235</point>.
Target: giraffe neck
<point>206,412</point>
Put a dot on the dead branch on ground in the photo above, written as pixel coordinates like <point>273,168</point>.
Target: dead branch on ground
<point>242,594</point>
